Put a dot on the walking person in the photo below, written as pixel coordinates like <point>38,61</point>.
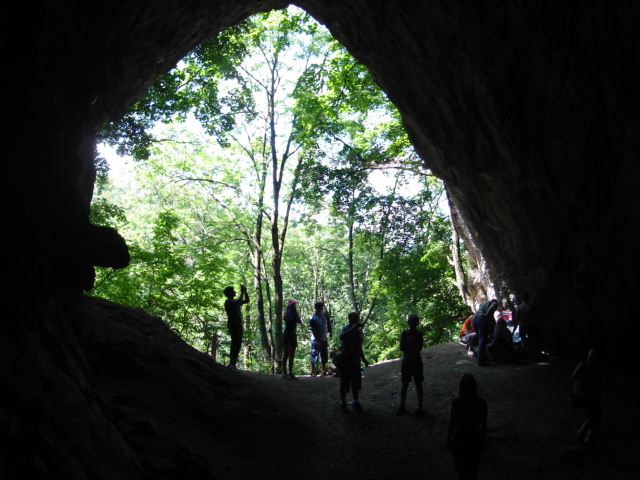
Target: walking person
<point>290,338</point>
<point>411,344</point>
<point>350,355</point>
<point>233,307</point>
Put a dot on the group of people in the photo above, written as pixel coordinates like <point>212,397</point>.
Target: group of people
<point>468,416</point>
<point>487,330</point>
<point>468,420</point>
<point>347,362</point>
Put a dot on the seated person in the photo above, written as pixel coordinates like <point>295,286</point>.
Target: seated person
<point>468,335</point>
<point>501,348</point>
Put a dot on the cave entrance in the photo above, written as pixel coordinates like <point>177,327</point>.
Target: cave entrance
<point>275,161</point>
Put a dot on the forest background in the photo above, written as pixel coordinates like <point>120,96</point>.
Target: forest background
<point>269,157</point>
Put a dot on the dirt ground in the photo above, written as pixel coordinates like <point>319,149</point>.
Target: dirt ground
<point>531,424</point>
<point>185,416</point>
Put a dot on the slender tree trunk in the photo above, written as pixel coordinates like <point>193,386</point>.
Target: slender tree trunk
<point>279,302</point>
<point>276,262</point>
<point>352,283</point>
<point>269,318</point>
<point>258,266</point>
<point>262,324</point>
<point>214,346</point>
<point>461,280</point>
<point>479,285</point>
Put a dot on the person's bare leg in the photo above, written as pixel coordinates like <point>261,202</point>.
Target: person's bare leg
<point>291,359</point>
<point>420,397</point>
<point>403,398</point>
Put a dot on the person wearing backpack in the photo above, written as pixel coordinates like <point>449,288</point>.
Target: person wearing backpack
<point>484,323</point>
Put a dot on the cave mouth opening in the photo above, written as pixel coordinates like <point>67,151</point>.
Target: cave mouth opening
<point>519,103</point>
<point>180,152</point>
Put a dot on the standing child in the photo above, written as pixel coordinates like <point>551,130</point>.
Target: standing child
<point>467,428</point>
<point>411,343</point>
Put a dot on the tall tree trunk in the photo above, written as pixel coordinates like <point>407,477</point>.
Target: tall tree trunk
<point>258,266</point>
<point>352,283</point>
<point>214,346</point>
<point>461,280</point>
<point>277,167</point>
<point>479,285</point>
<point>259,294</point>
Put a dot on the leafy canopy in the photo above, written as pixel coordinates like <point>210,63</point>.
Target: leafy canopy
<point>276,93</point>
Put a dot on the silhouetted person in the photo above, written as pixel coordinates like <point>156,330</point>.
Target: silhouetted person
<point>411,344</point>
<point>524,320</point>
<point>467,428</point>
<point>290,338</point>
<point>483,324</point>
<point>233,307</point>
<point>589,385</point>
<point>501,347</point>
<point>335,359</point>
<point>320,330</point>
<point>350,355</point>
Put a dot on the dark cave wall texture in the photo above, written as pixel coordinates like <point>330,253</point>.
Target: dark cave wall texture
<point>527,110</point>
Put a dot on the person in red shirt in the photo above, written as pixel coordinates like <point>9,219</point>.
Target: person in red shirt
<point>468,336</point>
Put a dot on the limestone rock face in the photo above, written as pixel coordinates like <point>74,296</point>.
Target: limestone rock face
<point>530,116</point>
<point>527,110</point>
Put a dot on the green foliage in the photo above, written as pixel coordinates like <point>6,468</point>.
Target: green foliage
<point>298,159</point>
<point>194,86</point>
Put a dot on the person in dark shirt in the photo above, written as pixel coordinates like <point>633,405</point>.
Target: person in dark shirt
<point>233,307</point>
<point>523,319</point>
<point>290,338</point>
<point>501,347</point>
<point>588,383</point>
<point>467,428</point>
<point>483,324</point>
<point>349,365</point>
<point>411,344</point>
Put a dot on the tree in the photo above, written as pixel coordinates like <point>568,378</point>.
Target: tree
<point>292,129</point>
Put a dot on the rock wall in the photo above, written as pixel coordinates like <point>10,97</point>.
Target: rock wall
<point>529,113</point>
